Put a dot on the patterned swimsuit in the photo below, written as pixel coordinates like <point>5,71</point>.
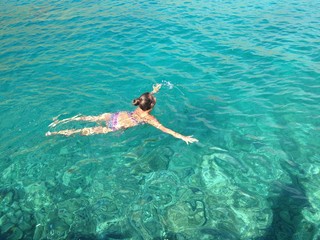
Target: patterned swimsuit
<point>112,123</point>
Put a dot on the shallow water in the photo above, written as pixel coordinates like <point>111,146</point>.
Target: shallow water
<point>241,77</point>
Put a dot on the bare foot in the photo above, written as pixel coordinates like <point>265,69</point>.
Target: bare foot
<point>48,133</point>
<point>54,123</point>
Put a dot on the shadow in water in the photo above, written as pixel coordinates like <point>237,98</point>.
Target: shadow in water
<point>288,201</point>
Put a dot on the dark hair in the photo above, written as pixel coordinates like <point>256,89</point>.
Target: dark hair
<point>146,101</point>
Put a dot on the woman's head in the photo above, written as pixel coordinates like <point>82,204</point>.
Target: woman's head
<point>146,101</point>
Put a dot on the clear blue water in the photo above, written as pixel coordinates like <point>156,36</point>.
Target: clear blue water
<point>246,79</point>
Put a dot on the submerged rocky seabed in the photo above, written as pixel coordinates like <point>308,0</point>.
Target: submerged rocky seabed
<point>147,195</point>
<point>245,82</point>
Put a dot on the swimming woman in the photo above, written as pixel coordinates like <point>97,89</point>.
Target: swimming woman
<point>122,120</point>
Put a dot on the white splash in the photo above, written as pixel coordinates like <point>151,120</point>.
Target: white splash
<point>170,86</point>
<point>167,84</point>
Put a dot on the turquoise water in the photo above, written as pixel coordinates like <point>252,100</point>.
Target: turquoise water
<point>246,83</point>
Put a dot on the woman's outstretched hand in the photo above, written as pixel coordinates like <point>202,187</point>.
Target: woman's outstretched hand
<point>189,139</point>
<point>156,88</point>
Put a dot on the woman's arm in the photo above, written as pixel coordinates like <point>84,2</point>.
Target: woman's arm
<point>154,122</point>
<point>156,88</point>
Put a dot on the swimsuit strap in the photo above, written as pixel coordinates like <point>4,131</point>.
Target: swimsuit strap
<point>135,120</point>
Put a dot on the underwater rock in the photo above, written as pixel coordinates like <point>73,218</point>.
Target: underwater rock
<point>108,218</point>
<point>173,236</point>
<point>6,226</point>
<point>167,152</point>
<point>83,221</point>
<point>215,179</point>
<point>66,178</point>
<point>18,214</point>
<point>25,208</point>
<point>167,206</point>
<point>186,215</point>
<point>151,163</point>
<point>7,199</point>
<point>311,214</point>
<point>57,228</point>
<point>160,163</point>
<point>105,210</point>
<point>64,151</point>
<point>218,234</point>
<point>162,182</point>
<point>7,173</point>
<point>250,214</point>
<point>3,220</point>
<point>147,213</point>
<point>68,210</point>
<point>82,236</point>
<point>9,230</point>
<point>15,234</point>
<point>25,226</point>
<point>162,193</point>
<point>10,215</point>
<point>115,230</point>
<point>76,179</point>
<point>10,196</point>
<point>146,221</point>
<point>116,235</point>
<point>38,193</point>
<point>39,200</point>
<point>38,232</point>
<point>79,190</point>
<point>13,219</point>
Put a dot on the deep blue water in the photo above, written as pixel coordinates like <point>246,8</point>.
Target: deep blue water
<point>246,83</point>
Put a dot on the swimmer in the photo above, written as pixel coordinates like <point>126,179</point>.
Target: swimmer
<point>122,120</point>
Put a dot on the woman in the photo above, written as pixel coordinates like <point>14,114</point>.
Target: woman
<point>122,120</point>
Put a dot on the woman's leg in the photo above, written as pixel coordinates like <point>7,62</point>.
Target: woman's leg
<point>83,131</point>
<point>99,118</point>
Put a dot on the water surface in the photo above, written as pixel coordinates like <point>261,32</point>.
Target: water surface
<point>245,82</point>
